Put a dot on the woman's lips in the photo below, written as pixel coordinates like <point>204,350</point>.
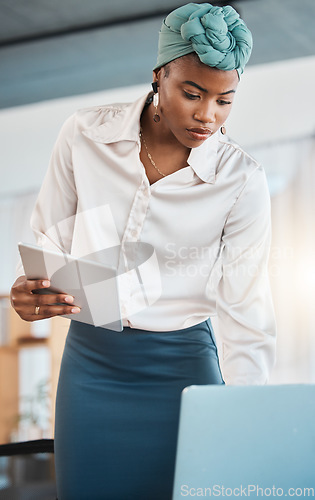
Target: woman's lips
<point>199,134</point>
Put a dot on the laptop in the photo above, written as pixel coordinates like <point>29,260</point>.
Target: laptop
<point>246,441</point>
<point>93,285</point>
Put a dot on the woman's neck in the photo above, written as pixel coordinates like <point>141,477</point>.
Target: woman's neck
<point>159,135</point>
<point>157,141</point>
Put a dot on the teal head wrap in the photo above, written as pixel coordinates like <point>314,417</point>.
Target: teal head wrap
<point>216,34</point>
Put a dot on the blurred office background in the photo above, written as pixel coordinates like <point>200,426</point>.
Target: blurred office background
<point>56,57</point>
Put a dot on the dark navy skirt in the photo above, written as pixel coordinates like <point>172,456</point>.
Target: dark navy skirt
<point>117,408</point>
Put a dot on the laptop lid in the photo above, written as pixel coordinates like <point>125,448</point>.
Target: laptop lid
<point>246,441</point>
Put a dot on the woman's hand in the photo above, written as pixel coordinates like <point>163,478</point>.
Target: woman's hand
<point>33,306</point>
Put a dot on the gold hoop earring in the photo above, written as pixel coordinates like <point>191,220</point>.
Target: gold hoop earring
<point>223,129</point>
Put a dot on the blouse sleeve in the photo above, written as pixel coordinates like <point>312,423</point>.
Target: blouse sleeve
<point>245,312</point>
<point>53,216</point>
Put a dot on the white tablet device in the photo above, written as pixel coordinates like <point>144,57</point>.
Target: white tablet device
<point>93,285</point>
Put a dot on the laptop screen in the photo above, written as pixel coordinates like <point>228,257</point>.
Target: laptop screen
<point>248,441</point>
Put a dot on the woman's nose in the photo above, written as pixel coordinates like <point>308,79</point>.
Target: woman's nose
<point>205,114</point>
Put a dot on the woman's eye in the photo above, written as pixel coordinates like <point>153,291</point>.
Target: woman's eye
<point>222,103</point>
<point>191,96</point>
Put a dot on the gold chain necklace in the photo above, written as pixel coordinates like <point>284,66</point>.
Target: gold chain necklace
<point>149,155</point>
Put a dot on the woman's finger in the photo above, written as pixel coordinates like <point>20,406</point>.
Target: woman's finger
<point>36,312</point>
<point>50,298</point>
<point>30,285</point>
<point>23,285</point>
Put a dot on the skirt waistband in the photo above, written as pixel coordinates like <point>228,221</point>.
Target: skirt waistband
<point>101,349</point>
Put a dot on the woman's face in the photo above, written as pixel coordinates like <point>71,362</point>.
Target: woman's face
<point>194,99</point>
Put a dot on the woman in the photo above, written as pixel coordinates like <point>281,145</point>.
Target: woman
<point>159,171</point>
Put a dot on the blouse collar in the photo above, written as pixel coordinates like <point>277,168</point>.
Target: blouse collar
<point>122,123</point>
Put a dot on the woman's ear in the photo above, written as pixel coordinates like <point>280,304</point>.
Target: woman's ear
<point>156,75</point>
<point>155,82</point>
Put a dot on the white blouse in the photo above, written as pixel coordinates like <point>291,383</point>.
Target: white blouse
<point>208,226</point>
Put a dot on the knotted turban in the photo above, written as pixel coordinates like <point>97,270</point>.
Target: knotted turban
<point>217,35</point>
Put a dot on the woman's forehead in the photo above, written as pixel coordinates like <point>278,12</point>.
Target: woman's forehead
<point>187,68</point>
